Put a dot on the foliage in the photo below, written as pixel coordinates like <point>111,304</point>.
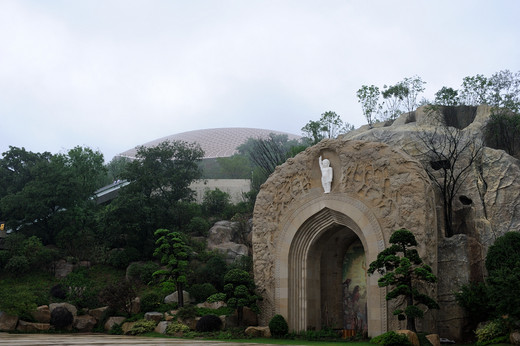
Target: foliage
<point>150,301</point>
<point>173,252</point>
<point>117,329</point>
<point>158,195</point>
<point>118,296</point>
<point>391,339</point>
<point>186,312</point>
<point>447,97</point>
<point>239,287</point>
<point>17,264</point>
<point>61,318</point>
<point>394,96</point>
<point>121,258</point>
<point>212,271</point>
<point>329,125</point>
<point>474,298</point>
<point>503,265</point>
<point>208,323</point>
<point>58,291</point>
<point>235,167</point>
<point>491,332</point>
<point>142,271</point>
<point>142,326</point>
<point>502,131</point>
<point>200,292</point>
<point>278,326</point>
<point>217,297</point>
<point>243,263</point>
<point>223,310</point>
<point>403,271</point>
<point>176,327</point>
<point>215,202</point>
<point>39,190</point>
<point>368,96</point>
<point>198,226</point>
<point>17,302</point>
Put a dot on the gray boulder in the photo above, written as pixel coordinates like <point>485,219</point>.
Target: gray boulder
<point>174,297</point>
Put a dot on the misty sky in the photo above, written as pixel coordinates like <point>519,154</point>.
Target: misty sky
<point>115,74</point>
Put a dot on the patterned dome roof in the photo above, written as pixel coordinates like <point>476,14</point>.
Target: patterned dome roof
<point>221,142</point>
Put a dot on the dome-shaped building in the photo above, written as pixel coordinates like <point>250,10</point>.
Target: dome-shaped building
<point>216,143</point>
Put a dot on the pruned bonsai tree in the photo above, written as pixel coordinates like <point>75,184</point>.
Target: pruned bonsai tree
<point>402,271</point>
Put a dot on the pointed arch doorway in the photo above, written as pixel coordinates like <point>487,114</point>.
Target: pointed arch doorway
<point>329,243</point>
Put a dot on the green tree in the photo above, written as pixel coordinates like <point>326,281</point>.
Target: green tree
<point>474,91</point>
<point>403,271</point>
<point>174,253</point>
<point>447,97</point>
<point>157,196</point>
<point>215,202</point>
<point>368,96</point>
<point>413,87</point>
<point>313,130</point>
<point>503,266</point>
<point>394,96</point>
<point>239,288</point>
<point>43,187</point>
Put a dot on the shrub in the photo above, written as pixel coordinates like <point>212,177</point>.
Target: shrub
<point>278,326</point>
<point>391,339</point>
<point>176,327</point>
<point>186,312</point>
<point>202,291</point>
<point>118,296</point>
<point>150,302</point>
<point>58,291</point>
<point>217,297</point>
<point>142,326</point>
<point>208,323</point>
<point>491,332</point>
<point>121,258</point>
<point>17,265</point>
<point>61,317</point>
<point>198,226</point>
<point>142,272</point>
<point>17,302</point>
<point>474,298</point>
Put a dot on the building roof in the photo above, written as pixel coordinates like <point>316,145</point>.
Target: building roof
<point>220,142</point>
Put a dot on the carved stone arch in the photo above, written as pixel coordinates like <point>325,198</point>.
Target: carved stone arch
<point>376,189</point>
<point>300,232</point>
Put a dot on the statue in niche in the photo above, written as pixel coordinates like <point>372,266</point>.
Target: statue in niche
<point>326,174</point>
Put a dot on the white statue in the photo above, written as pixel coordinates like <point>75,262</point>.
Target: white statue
<point>326,174</point>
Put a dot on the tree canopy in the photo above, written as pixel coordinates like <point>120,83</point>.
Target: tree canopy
<point>403,271</point>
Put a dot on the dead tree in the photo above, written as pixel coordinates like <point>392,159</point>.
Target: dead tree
<point>447,155</point>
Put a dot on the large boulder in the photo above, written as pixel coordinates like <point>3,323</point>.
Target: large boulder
<point>63,268</point>
<point>42,314</point>
<point>84,323</point>
<point>258,332</point>
<point>73,310</point>
<point>30,327</point>
<point>112,321</point>
<point>174,297</point>
<point>230,239</point>
<point>161,327</point>
<point>98,313</point>
<point>7,322</point>
<point>154,316</point>
<point>412,337</point>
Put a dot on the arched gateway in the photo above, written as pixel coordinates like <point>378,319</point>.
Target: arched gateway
<point>311,248</point>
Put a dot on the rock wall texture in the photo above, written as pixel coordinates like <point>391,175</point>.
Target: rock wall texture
<point>392,184</point>
<point>384,167</point>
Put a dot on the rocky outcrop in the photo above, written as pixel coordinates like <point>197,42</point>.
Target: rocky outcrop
<point>229,238</point>
<point>7,322</point>
<point>174,297</point>
<point>84,323</point>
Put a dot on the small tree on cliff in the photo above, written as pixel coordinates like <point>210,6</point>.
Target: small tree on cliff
<point>403,271</point>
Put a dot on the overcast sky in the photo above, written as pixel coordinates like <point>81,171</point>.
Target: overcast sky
<point>114,74</point>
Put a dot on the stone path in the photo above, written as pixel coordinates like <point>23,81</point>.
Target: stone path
<point>101,339</point>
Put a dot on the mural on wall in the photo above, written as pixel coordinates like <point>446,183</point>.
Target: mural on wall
<point>355,288</point>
